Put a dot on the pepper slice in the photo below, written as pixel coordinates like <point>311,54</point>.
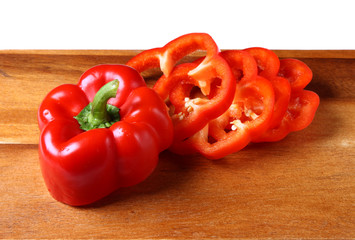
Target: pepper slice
<point>268,65</point>
<point>300,113</point>
<point>247,117</point>
<point>302,106</point>
<point>268,62</point>
<point>282,91</point>
<point>242,63</point>
<point>80,167</point>
<point>296,72</point>
<point>190,113</point>
<point>168,56</point>
<point>212,70</point>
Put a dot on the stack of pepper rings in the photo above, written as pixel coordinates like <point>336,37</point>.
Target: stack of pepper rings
<point>108,130</point>
<point>227,99</point>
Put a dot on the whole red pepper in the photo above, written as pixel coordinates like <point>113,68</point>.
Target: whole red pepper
<point>88,150</point>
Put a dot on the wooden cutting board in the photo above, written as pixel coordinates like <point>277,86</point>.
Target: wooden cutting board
<point>300,187</point>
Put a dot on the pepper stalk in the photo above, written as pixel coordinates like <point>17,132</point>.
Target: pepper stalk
<point>99,114</point>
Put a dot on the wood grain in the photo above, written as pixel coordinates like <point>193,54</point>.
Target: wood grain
<point>300,187</point>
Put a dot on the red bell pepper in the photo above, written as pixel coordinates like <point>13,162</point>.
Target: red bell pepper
<point>212,70</point>
<point>88,150</point>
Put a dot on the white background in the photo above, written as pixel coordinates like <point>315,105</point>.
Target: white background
<point>133,24</point>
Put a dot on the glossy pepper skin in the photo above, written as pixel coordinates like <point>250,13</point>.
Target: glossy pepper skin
<point>80,167</point>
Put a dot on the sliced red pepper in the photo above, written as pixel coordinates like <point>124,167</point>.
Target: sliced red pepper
<point>242,63</point>
<point>244,67</point>
<point>211,70</point>
<point>247,117</point>
<point>296,72</point>
<point>168,56</point>
<point>302,105</point>
<point>253,93</point>
<point>268,62</point>
<point>191,113</point>
<point>300,113</point>
<point>88,150</point>
<point>268,66</point>
<point>282,91</point>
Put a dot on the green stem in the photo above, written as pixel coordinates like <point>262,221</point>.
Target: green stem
<point>99,114</point>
